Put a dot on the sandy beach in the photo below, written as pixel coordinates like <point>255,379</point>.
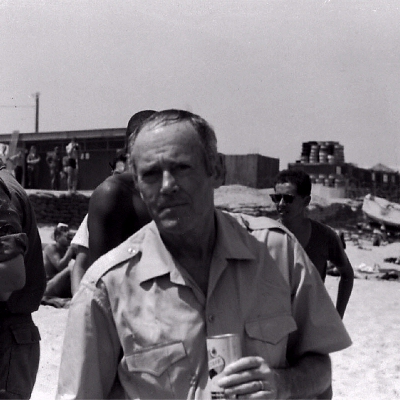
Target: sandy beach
<point>369,369</point>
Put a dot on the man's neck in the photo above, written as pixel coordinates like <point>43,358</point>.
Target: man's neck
<point>194,251</point>
<point>300,227</point>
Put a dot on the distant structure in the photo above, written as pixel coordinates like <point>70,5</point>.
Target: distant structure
<point>252,170</point>
<point>98,148</point>
<point>333,177</point>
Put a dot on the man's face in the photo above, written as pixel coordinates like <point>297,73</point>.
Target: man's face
<point>290,210</point>
<point>172,177</point>
<point>63,238</point>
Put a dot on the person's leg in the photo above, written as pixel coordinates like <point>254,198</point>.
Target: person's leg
<point>69,178</point>
<point>75,180</point>
<point>19,356</point>
<point>52,178</point>
<point>60,284</point>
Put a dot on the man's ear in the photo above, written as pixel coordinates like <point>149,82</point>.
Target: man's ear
<point>307,201</point>
<point>220,171</point>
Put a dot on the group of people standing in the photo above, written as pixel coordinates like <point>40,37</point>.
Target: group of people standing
<point>162,269</point>
<point>61,167</point>
<point>64,167</point>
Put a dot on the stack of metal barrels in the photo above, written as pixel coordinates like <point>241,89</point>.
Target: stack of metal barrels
<point>322,153</point>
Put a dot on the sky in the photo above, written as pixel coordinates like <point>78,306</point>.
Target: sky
<point>267,75</point>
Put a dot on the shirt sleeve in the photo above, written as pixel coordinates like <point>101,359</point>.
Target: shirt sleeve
<point>91,348</point>
<point>13,241</point>
<point>319,327</point>
<point>81,237</point>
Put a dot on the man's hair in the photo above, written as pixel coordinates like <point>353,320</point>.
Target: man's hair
<point>205,132</point>
<point>136,120</point>
<point>298,178</point>
<point>59,229</point>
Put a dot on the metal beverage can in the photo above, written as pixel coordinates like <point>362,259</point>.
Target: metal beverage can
<point>221,351</point>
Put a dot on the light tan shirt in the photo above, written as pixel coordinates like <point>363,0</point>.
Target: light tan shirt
<point>141,321</point>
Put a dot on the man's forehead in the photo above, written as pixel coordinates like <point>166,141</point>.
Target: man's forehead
<point>287,186</point>
<point>182,133</point>
<point>167,127</point>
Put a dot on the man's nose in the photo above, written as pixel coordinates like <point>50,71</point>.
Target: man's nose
<point>168,183</point>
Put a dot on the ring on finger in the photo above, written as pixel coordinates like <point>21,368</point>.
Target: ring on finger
<point>262,388</point>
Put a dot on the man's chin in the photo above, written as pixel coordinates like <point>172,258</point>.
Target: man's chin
<point>169,225</point>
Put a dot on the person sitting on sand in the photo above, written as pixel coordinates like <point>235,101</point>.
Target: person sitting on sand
<point>57,257</point>
<point>321,243</point>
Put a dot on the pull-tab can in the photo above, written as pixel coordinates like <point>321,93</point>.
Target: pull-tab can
<point>221,351</point>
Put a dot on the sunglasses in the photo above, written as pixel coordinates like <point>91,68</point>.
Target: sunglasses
<point>287,198</point>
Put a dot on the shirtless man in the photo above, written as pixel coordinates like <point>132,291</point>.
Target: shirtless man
<point>116,211</point>
<point>321,243</point>
<point>56,257</point>
<point>73,156</point>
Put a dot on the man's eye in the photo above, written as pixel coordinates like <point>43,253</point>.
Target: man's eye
<point>150,175</point>
<point>182,167</point>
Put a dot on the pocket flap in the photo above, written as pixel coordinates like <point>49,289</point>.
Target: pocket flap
<point>156,360</point>
<point>25,333</point>
<point>271,330</point>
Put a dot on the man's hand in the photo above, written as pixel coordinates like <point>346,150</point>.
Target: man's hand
<point>252,378</point>
<point>249,377</point>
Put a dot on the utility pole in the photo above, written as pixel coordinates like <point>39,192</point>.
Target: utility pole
<point>37,112</point>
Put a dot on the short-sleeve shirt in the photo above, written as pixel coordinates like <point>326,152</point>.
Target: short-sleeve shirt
<point>324,245</point>
<point>81,237</point>
<point>141,321</point>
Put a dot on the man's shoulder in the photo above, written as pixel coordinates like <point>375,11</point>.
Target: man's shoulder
<point>322,229</point>
<point>115,184</point>
<point>114,190</point>
<point>118,257</point>
<point>252,223</point>
<point>50,248</point>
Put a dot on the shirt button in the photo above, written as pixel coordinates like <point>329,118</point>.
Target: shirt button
<point>211,318</point>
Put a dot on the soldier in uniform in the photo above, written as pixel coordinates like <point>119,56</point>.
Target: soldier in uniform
<point>22,283</point>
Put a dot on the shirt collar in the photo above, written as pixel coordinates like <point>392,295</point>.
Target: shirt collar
<point>232,243</point>
<point>232,239</point>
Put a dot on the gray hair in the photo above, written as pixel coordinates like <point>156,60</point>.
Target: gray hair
<point>205,132</point>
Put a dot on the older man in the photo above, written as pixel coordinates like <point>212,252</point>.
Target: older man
<point>141,316</point>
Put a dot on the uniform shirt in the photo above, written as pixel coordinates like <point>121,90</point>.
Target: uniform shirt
<point>139,319</point>
<point>27,299</point>
<point>12,241</point>
<point>324,245</point>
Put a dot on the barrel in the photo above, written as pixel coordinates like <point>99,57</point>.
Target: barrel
<point>314,154</point>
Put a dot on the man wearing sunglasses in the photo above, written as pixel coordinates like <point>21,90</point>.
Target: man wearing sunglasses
<point>321,243</point>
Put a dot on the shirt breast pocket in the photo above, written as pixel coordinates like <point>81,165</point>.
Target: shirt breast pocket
<point>267,337</point>
<point>156,360</point>
<point>162,371</point>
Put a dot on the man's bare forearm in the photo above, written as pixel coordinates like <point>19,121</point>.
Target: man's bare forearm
<point>344,292</point>
<point>309,377</point>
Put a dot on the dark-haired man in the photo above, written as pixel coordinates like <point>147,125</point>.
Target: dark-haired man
<point>321,243</point>
<point>141,316</point>
<point>116,211</point>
